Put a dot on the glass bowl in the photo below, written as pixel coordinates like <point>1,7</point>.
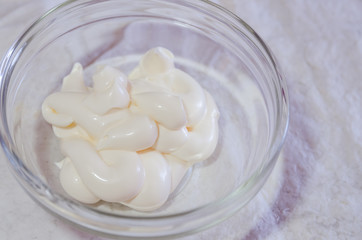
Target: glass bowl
<point>210,43</point>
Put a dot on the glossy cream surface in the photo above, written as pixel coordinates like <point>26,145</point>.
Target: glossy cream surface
<point>131,139</point>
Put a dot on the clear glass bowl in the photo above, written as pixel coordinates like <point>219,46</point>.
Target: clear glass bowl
<point>213,45</point>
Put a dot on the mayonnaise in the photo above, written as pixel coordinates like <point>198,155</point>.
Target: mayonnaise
<point>131,140</point>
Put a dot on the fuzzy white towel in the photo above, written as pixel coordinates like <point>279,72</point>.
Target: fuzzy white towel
<point>315,191</point>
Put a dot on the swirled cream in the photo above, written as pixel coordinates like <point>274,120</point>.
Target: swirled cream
<point>131,139</point>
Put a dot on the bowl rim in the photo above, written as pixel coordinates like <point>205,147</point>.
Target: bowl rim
<point>42,194</point>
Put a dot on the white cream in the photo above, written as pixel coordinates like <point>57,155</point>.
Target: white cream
<point>131,140</point>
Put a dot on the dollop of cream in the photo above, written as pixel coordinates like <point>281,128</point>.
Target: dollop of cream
<point>131,139</point>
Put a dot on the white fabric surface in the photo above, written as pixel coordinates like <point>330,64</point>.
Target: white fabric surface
<point>316,190</point>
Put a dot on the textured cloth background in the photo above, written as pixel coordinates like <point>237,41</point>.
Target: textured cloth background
<point>315,191</point>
